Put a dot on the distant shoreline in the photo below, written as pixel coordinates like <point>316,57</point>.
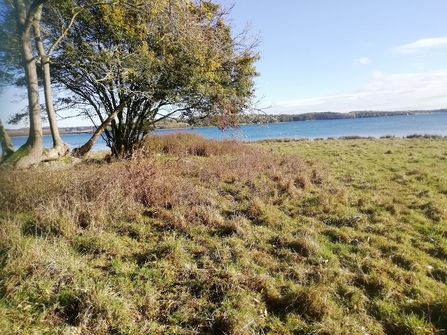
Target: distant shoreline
<point>46,131</point>
<point>280,118</point>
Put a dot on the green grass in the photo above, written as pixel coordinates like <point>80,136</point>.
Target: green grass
<point>198,236</point>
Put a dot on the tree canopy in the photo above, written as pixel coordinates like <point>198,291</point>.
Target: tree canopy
<point>127,64</point>
<point>131,64</point>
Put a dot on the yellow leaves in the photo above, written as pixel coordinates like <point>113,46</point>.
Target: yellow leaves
<point>207,10</point>
<point>181,47</point>
<point>115,15</point>
<point>213,65</point>
<point>131,72</point>
<point>144,46</point>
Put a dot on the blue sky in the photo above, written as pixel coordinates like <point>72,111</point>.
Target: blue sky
<point>327,55</point>
<point>341,55</point>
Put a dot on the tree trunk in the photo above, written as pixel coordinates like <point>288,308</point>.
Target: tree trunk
<point>59,147</point>
<point>7,147</point>
<point>84,149</point>
<point>34,145</point>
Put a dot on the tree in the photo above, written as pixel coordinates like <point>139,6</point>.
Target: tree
<point>6,61</point>
<point>59,147</point>
<point>7,147</point>
<point>24,19</point>
<point>132,64</point>
<point>28,26</point>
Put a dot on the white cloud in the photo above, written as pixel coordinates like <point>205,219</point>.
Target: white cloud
<point>406,91</point>
<point>422,45</point>
<point>363,60</point>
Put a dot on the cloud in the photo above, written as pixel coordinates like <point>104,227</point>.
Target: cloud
<point>422,45</point>
<point>404,91</point>
<point>363,60</point>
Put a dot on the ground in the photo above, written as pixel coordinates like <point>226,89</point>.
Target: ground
<point>197,236</point>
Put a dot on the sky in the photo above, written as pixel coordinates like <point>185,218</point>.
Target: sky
<point>339,55</point>
<point>346,55</point>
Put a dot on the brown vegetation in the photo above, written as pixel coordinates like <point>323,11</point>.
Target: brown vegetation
<point>198,236</point>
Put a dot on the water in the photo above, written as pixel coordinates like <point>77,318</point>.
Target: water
<point>399,126</point>
<point>74,140</point>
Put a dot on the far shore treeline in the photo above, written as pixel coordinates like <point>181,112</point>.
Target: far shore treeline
<point>334,115</point>
<point>248,119</point>
<point>350,115</point>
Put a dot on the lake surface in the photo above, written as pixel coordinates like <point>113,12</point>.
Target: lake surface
<point>399,126</point>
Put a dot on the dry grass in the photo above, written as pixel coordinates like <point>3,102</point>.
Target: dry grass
<point>199,236</point>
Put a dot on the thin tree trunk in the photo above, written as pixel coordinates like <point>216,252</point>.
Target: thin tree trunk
<point>59,147</point>
<point>34,144</point>
<point>84,149</point>
<point>7,147</point>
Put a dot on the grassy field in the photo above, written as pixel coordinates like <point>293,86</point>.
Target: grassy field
<point>196,236</point>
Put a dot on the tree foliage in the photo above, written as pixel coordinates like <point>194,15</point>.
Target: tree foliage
<point>9,47</point>
<point>137,62</point>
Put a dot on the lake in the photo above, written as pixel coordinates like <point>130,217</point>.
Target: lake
<point>399,126</point>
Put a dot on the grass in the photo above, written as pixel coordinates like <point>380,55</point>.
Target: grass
<point>199,236</point>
